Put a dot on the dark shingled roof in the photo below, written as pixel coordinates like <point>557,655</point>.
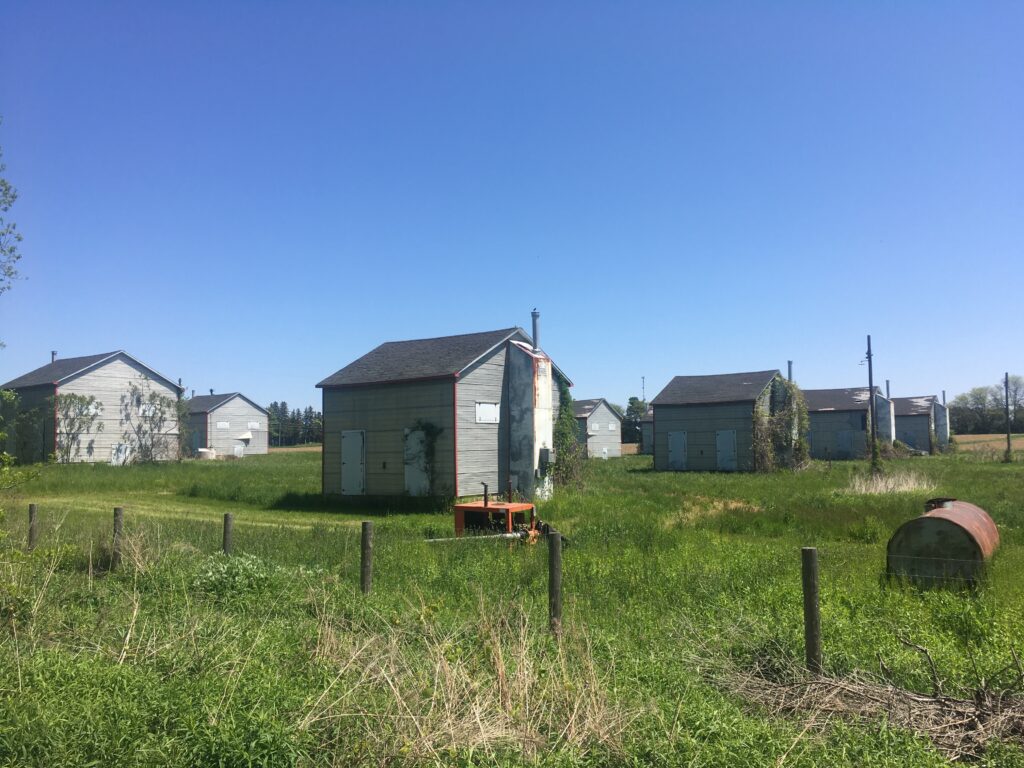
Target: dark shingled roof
<point>855,399</point>
<point>55,371</point>
<point>722,388</point>
<point>206,403</point>
<point>420,358</point>
<point>582,409</point>
<point>913,406</point>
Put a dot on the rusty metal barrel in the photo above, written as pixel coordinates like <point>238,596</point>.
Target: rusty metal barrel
<point>949,544</point>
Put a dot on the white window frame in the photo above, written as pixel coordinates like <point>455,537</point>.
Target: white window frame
<point>223,425</point>
<point>490,413</point>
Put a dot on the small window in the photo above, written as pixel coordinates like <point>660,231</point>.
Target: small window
<point>595,427</point>
<point>223,425</point>
<point>487,413</point>
<point>611,427</point>
<point>254,425</point>
<point>147,410</point>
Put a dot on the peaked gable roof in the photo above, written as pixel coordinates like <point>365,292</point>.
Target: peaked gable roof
<point>853,399</point>
<point>720,388</point>
<point>582,409</point>
<point>63,369</point>
<point>207,403</point>
<point>441,357</point>
<point>914,406</point>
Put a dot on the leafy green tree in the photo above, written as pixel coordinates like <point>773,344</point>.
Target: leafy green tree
<point>569,454</point>
<point>77,416</point>
<point>150,420</point>
<point>635,412</point>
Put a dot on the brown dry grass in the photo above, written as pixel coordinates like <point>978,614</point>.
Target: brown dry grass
<point>311,448</point>
<point>988,442</point>
<point>900,482</point>
<point>695,508</point>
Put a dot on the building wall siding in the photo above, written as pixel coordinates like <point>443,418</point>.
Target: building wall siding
<point>483,448</point>
<point>915,431</point>
<point>824,437</point>
<point>885,412</point>
<point>238,412</point>
<point>107,384</point>
<point>29,425</point>
<point>602,439</point>
<point>384,412</point>
<point>701,422</point>
<point>647,437</point>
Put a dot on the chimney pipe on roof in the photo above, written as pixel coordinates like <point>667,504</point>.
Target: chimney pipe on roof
<point>943,398</point>
<point>193,393</point>
<point>211,390</point>
<point>790,366</point>
<point>887,397</point>
<point>536,329</point>
<point>53,355</point>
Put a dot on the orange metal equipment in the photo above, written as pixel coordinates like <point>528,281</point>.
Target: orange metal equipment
<point>497,517</point>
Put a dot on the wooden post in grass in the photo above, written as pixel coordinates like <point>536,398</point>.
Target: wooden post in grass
<point>115,554</point>
<point>229,521</point>
<point>366,559</point>
<point>555,581</point>
<point>33,527</point>
<point>812,616</point>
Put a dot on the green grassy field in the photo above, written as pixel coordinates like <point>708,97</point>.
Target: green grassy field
<point>678,587</point>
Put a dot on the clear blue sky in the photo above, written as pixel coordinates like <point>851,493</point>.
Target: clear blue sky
<point>250,195</point>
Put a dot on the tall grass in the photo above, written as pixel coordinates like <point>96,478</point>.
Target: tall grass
<point>185,657</point>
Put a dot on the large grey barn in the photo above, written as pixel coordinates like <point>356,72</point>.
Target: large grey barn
<point>39,433</point>
<point>707,422</point>
<point>442,416</point>
<point>230,424</point>
<point>600,428</point>
<point>919,420</point>
<point>840,421</point>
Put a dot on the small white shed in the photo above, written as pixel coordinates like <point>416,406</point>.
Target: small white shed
<point>600,428</point>
<point>229,424</point>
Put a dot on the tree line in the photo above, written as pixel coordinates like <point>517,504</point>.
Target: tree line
<point>294,427</point>
<point>982,410</point>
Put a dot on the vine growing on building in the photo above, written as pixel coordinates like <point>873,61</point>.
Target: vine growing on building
<point>779,429</point>
<point>569,454</point>
<point>430,434</point>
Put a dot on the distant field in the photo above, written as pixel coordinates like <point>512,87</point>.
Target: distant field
<point>683,622</point>
<point>311,448</point>
<point>981,442</point>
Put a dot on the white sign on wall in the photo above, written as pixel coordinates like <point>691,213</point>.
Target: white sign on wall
<point>254,425</point>
<point>487,413</point>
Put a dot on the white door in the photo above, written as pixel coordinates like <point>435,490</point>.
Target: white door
<point>677,450</point>
<point>725,448</point>
<point>353,462</point>
<point>417,481</point>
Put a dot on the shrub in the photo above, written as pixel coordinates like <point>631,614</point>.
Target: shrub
<point>223,575</point>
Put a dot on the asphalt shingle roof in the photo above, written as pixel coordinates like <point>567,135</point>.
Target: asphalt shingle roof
<point>855,399</point>
<point>53,372</point>
<point>419,359</point>
<point>721,388</point>
<point>913,406</point>
<point>206,403</point>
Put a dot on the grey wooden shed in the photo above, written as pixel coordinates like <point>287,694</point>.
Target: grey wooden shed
<point>707,422</point>
<point>108,377</point>
<point>647,433</point>
<point>840,421</point>
<point>600,428</point>
<point>442,416</point>
<point>915,422</point>
<point>230,424</point>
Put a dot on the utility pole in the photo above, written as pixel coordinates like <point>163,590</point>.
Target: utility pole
<point>643,389</point>
<point>875,466</point>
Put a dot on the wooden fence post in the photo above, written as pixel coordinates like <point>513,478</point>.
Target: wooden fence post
<point>812,615</point>
<point>366,559</point>
<point>115,555</point>
<point>555,581</point>
<point>229,520</point>
<point>33,527</point>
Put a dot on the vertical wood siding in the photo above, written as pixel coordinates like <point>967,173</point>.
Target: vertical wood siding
<point>915,431</point>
